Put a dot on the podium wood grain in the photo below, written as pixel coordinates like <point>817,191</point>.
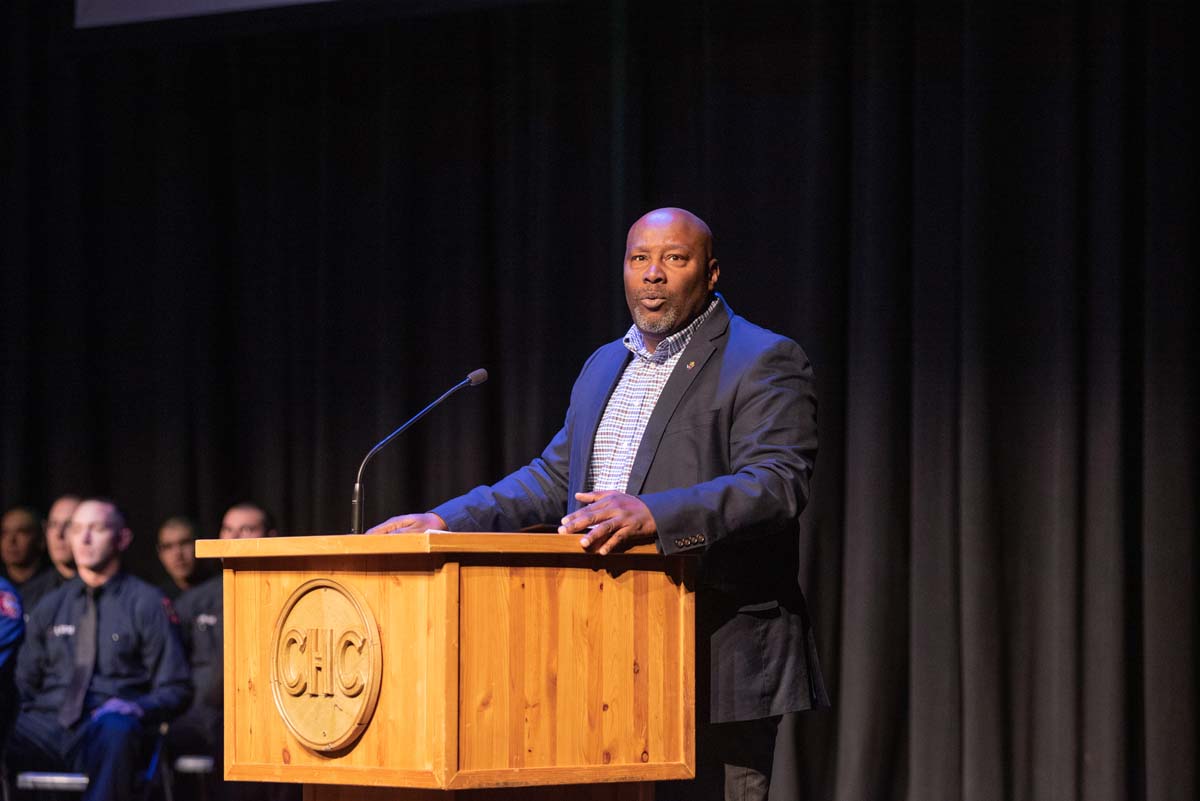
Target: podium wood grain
<point>508,660</point>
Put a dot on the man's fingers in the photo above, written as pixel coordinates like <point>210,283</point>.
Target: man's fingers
<point>386,527</point>
<point>599,533</point>
<point>618,536</point>
<point>588,497</point>
<point>610,534</point>
<point>573,523</point>
<point>403,523</point>
<point>117,706</point>
<point>590,515</point>
<point>586,515</point>
<point>596,533</point>
<point>611,542</point>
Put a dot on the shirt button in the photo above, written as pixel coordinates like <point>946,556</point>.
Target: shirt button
<point>116,637</point>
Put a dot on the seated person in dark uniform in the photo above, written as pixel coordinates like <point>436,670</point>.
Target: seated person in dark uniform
<point>101,667</point>
<point>62,564</point>
<point>12,631</point>
<point>200,729</point>
<point>21,546</point>
<point>177,553</point>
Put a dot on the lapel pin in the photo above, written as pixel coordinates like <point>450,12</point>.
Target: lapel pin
<point>690,365</point>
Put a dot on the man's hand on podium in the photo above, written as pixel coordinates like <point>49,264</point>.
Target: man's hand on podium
<point>611,521</point>
<point>410,524</point>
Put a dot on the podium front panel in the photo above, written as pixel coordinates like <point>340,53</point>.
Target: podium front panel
<point>409,740</point>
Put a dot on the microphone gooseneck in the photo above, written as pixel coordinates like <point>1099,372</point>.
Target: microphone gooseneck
<point>475,378</point>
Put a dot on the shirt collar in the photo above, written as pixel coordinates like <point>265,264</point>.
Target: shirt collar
<point>113,583</point>
<point>672,344</point>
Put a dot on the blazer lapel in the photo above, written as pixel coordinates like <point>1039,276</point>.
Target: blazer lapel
<point>610,365</point>
<point>699,350</point>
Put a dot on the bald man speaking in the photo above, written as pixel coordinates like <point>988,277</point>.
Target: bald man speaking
<point>697,431</point>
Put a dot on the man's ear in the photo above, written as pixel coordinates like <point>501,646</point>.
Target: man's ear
<point>124,539</point>
<point>714,272</point>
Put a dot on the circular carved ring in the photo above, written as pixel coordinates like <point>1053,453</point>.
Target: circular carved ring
<point>326,665</point>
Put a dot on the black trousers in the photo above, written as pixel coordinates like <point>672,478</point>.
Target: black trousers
<point>733,763</point>
<point>109,749</point>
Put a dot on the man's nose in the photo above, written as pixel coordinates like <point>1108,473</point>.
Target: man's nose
<point>654,273</point>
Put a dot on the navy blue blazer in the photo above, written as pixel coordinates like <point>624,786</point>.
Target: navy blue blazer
<point>724,466</point>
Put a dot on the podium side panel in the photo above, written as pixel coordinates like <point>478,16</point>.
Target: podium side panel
<point>569,670</point>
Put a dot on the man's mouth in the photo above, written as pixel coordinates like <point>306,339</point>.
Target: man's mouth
<point>652,302</point>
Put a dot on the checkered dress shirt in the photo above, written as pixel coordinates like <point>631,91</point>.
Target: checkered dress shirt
<point>629,408</point>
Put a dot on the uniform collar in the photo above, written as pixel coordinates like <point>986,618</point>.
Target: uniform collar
<point>112,585</point>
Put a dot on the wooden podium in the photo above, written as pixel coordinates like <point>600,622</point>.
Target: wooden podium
<point>456,666</point>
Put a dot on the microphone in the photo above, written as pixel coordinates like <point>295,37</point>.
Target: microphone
<point>475,378</point>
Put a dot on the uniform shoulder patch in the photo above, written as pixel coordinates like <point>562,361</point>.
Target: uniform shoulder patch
<point>10,605</point>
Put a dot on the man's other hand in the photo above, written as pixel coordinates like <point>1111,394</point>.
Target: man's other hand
<point>118,706</point>
<point>409,524</point>
<point>615,520</point>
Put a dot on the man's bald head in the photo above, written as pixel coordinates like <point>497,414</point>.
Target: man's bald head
<point>669,215</point>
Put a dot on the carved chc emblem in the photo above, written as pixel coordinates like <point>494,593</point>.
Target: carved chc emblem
<point>326,665</point>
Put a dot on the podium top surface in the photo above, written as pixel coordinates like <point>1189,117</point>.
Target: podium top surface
<point>429,542</point>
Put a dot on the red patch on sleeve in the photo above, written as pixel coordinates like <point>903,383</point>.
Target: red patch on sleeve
<point>10,607</point>
<point>169,608</point>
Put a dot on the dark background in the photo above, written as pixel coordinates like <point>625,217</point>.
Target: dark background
<point>237,251</point>
<point>91,13</point>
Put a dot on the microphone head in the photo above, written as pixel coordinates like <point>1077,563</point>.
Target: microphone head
<point>477,377</point>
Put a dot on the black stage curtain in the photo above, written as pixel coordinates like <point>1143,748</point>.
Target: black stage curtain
<point>237,252</point>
